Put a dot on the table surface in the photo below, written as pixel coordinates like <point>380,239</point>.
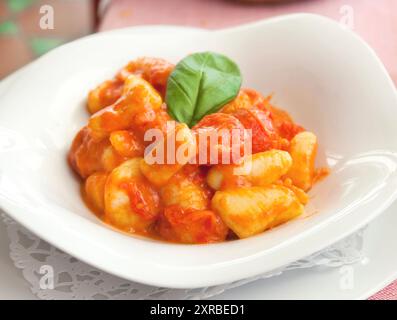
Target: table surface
<point>12,284</point>
<point>314,283</point>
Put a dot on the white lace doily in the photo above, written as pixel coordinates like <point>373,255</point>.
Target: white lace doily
<point>73,279</point>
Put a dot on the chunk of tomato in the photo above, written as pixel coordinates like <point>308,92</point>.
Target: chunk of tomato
<point>283,123</point>
<point>257,100</point>
<point>144,199</point>
<point>264,137</point>
<point>220,138</point>
<point>191,226</point>
<point>247,99</point>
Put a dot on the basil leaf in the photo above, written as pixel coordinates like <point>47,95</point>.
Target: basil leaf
<point>201,84</point>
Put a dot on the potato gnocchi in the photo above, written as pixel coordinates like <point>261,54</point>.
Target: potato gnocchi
<point>249,211</point>
<point>260,169</point>
<point>187,201</point>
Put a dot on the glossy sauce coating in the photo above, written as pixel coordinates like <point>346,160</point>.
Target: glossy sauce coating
<point>186,202</point>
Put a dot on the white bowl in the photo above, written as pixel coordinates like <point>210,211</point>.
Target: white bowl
<point>329,80</point>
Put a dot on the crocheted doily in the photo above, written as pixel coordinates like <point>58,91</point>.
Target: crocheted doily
<point>73,279</point>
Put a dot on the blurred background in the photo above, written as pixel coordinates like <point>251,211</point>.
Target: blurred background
<point>30,28</point>
<point>21,37</point>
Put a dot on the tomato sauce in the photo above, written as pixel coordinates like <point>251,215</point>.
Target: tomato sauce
<point>175,202</point>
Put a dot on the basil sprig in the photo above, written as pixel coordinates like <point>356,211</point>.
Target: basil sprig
<point>201,84</point>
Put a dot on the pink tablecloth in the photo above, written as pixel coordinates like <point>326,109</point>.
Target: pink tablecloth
<point>374,20</point>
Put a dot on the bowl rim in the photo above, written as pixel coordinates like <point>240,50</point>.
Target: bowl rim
<point>335,229</point>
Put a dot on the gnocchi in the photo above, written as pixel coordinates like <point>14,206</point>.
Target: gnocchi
<point>187,189</point>
<point>131,203</point>
<point>249,211</point>
<point>153,70</point>
<point>303,151</point>
<point>127,143</point>
<point>260,169</point>
<point>87,155</point>
<point>104,95</point>
<point>94,190</point>
<point>167,185</point>
<point>139,102</point>
<point>158,173</point>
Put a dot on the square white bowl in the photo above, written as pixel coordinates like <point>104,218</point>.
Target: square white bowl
<point>323,74</point>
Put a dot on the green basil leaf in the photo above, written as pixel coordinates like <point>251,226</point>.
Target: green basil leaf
<point>201,84</point>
